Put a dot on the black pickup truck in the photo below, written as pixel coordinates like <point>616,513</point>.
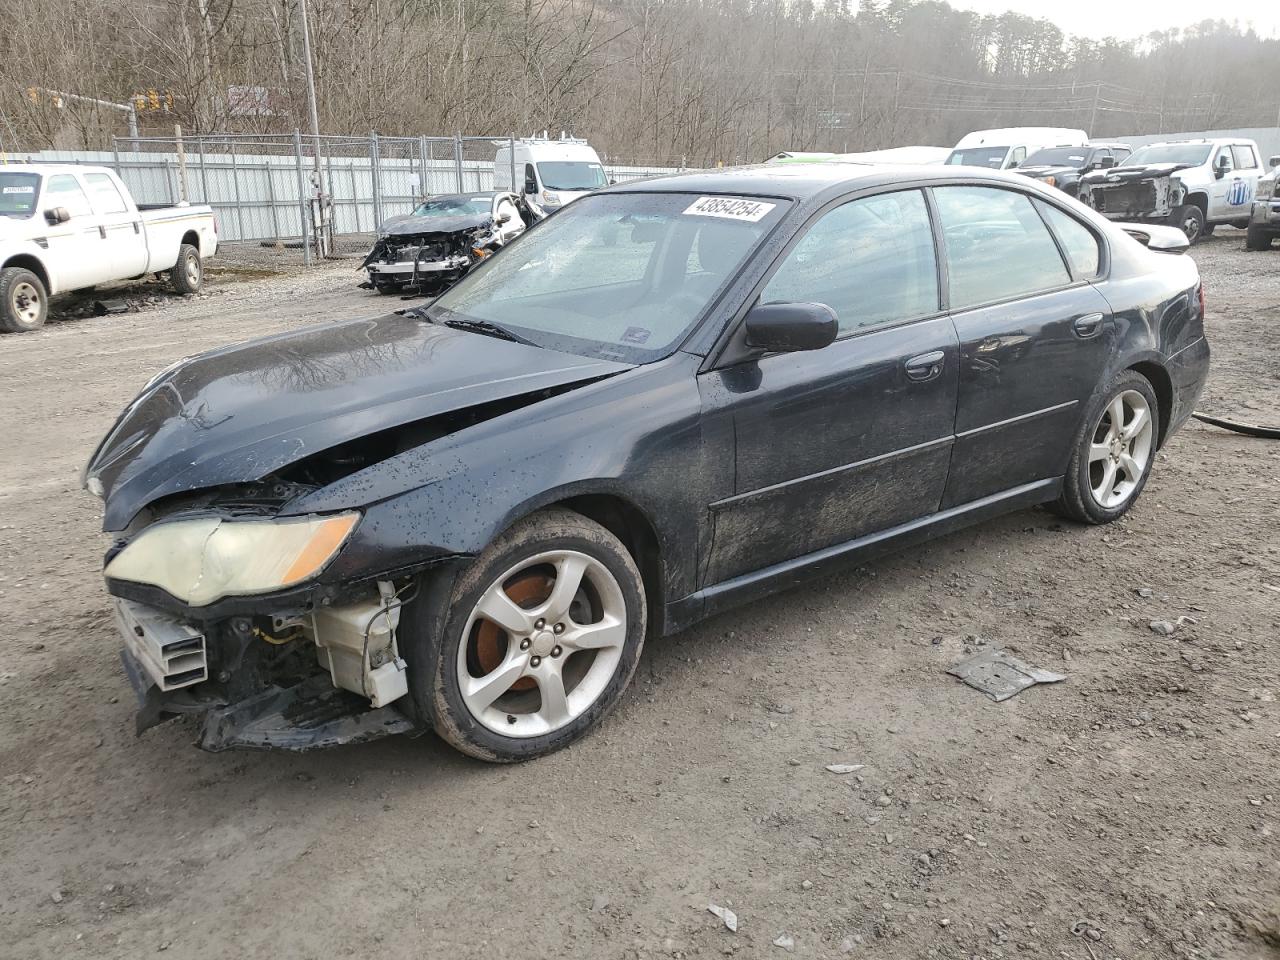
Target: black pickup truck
<point>1062,167</point>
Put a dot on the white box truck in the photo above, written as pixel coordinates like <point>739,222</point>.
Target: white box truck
<point>549,173</point>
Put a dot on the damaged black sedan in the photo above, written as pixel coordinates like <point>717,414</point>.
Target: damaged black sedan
<point>427,250</point>
<point>670,398</point>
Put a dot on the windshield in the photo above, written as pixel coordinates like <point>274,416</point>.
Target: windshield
<point>453,206</point>
<point>615,276</point>
<point>1194,153</point>
<point>575,175</point>
<point>1055,157</point>
<point>992,157</point>
<point>18,192</point>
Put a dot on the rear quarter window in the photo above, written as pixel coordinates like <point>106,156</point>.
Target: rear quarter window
<point>1077,240</point>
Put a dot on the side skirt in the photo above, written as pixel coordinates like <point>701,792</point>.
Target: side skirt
<point>722,596</point>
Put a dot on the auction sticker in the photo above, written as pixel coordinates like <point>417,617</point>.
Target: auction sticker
<point>19,189</point>
<point>730,208</point>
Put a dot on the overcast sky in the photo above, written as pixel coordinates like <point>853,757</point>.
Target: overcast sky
<point>1133,18</point>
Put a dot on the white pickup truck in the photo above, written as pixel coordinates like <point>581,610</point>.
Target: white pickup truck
<point>64,228</point>
<point>1192,184</point>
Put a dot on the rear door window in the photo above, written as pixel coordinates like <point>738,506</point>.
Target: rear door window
<point>1244,157</point>
<point>997,246</point>
<point>106,196</point>
<point>871,261</point>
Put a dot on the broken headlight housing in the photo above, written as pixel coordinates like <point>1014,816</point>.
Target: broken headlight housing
<point>1266,188</point>
<point>204,559</point>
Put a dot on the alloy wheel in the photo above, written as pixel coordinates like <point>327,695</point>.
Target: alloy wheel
<point>192,267</point>
<point>1121,449</point>
<point>542,643</point>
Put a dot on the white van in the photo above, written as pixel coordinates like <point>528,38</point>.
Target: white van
<point>1007,147</point>
<point>549,173</point>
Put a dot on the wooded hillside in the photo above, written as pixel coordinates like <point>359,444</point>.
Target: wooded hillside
<point>645,80</point>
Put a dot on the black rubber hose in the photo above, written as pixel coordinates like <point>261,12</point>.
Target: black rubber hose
<point>1248,429</point>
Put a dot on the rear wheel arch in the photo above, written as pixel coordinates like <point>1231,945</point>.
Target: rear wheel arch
<point>192,237</point>
<point>1162,384</point>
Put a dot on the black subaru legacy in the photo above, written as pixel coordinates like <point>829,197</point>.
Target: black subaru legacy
<point>669,398</point>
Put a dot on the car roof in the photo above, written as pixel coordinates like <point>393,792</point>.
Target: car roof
<point>807,180</point>
<point>47,169</point>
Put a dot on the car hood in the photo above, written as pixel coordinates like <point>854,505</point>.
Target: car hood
<point>1048,170</point>
<point>409,225</point>
<point>1125,174</point>
<point>238,414</point>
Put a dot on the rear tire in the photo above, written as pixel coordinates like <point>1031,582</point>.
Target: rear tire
<point>1257,238</point>
<point>187,275</point>
<point>515,692</point>
<point>1113,451</point>
<point>24,302</point>
<point>1190,220</point>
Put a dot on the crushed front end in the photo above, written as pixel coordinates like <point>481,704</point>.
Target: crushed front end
<point>1138,193</point>
<point>421,258</point>
<point>299,666</point>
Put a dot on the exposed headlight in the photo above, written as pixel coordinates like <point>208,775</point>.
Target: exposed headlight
<point>550,198</point>
<point>202,560</point>
<point>1051,181</point>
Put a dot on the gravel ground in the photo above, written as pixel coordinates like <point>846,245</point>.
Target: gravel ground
<point>1135,803</point>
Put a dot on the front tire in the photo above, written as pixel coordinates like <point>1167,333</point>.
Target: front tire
<point>1190,220</point>
<point>1257,238</point>
<point>1113,453</point>
<point>187,275</point>
<point>24,303</point>
<point>535,643</point>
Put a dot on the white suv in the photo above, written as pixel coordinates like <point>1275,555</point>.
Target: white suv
<point>1192,184</point>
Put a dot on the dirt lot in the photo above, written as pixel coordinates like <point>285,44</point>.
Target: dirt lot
<point>1140,797</point>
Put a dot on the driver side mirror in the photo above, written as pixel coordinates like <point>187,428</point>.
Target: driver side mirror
<point>57,215</point>
<point>1274,161</point>
<point>1106,163</point>
<point>1221,167</point>
<point>531,186</point>
<point>790,327</point>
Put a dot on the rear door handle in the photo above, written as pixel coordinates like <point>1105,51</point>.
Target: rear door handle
<point>927,366</point>
<point>1087,326</point>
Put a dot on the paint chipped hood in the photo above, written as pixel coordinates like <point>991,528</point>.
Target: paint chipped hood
<point>238,414</point>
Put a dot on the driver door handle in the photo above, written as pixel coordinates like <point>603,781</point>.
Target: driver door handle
<point>927,366</point>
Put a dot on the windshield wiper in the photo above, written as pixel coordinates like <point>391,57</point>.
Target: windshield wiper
<point>487,328</point>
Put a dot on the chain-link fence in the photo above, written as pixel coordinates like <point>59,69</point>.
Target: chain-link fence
<point>304,196</point>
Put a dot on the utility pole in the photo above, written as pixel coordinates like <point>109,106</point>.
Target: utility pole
<point>1093,117</point>
<point>315,124</point>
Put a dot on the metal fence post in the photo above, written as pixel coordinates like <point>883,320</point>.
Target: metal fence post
<point>235,181</point>
<point>302,197</point>
<point>375,160</point>
<point>115,154</point>
<point>204,173</point>
<point>169,181</point>
<point>423,191</point>
<point>457,159</point>
<point>271,196</point>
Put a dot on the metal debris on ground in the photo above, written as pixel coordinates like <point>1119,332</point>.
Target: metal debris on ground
<point>844,767</point>
<point>724,913</point>
<point>785,942</point>
<point>102,308</point>
<point>1001,675</point>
